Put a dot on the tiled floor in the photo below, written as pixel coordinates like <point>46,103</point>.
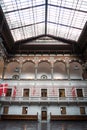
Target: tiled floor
<point>27,125</point>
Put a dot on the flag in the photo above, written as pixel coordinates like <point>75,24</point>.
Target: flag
<point>14,91</point>
<point>5,87</point>
<point>1,89</point>
<point>73,92</point>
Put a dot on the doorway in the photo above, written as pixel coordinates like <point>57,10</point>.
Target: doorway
<point>43,115</point>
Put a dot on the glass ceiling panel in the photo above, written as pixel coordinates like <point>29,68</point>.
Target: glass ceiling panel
<point>74,4</point>
<point>22,33</point>
<point>68,17</point>
<point>25,17</point>
<point>11,5</point>
<point>51,29</point>
<point>28,18</point>
<point>40,29</point>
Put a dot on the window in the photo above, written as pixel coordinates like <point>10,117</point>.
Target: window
<point>82,110</point>
<point>9,92</point>
<point>43,92</point>
<point>61,92</point>
<point>15,77</point>
<point>26,93</point>
<point>79,93</point>
<point>63,110</point>
<point>43,77</point>
<point>76,67</point>
<point>5,110</point>
<point>24,110</point>
<point>16,69</point>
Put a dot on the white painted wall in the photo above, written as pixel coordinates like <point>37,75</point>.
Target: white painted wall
<point>53,109</point>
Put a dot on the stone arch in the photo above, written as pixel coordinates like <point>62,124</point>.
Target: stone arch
<point>28,61</point>
<point>46,61</point>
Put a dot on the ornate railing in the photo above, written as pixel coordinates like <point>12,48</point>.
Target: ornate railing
<point>43,99</point>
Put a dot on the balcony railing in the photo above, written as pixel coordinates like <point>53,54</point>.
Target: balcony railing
<point>43,99</point>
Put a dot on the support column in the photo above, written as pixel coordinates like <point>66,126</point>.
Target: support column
<point>68,71</point>
<point>36,71</point>
<point>21,59</point>
<point>52,72</point>
<point>20,68</point>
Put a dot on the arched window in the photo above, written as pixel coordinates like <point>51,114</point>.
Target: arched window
<point>44,77</point>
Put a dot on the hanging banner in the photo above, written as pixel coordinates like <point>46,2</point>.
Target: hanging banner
<point>73,92</point>
<point>3,89</point>
<point>14,92</point>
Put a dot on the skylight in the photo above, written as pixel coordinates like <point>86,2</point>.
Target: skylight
<point>30,18</point>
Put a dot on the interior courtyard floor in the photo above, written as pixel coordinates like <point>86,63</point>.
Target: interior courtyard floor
<point>32,125</point>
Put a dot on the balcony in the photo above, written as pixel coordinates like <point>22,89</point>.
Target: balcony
<point>42,100</point>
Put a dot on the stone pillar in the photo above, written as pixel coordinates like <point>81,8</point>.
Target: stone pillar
<point>84,68</point>
<point>21,59</point>
<point>68,71</point>
<point>20,68</point>
<point>67,67</point>
<point>52,71</point>
<point>36,66</point>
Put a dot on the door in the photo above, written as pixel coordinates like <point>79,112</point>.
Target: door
<point>44,115</point>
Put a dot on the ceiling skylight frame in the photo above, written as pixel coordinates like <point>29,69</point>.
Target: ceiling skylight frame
<point>62,21</point>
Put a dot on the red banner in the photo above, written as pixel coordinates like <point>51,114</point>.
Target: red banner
<point>73,92</point>
<point>14,91</point>
<point>3,89</point>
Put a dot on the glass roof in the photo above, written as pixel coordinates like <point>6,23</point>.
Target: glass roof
<point>30,18</point>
